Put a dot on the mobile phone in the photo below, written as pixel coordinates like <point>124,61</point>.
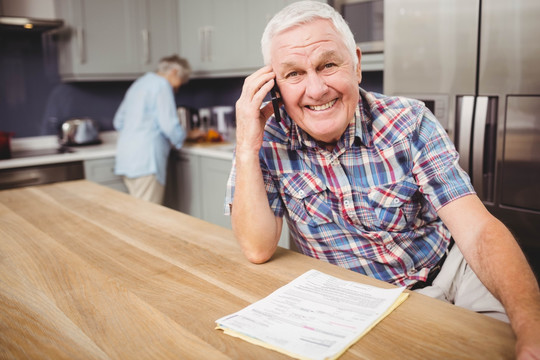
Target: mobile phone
<point>275,102</point>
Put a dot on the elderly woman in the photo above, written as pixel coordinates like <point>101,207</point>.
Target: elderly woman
<point>148,125</point>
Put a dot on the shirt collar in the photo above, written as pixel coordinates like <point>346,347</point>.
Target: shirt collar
<point>365,120</point>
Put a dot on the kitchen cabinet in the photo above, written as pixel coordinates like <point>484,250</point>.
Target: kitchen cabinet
<point>115,39</point>
<point>222,38</point>
<point>158,24</point>
<point>183,188</point>
<point>213,36</point>
<point>197,184</point>
<point>214,176</point>
<point>101,171</point>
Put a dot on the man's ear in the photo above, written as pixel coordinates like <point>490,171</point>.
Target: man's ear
<point>358,68</point>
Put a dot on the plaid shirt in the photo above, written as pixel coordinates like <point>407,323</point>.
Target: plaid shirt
<point>370,204</point>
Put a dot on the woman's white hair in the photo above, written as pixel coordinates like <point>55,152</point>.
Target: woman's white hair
<point>303,12</point>
<point>178,63</point>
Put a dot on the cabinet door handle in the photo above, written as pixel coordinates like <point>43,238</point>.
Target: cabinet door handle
<point>146,46</point>
<point>210,31</point>
<point>80,43</point>
<point>202,42</point>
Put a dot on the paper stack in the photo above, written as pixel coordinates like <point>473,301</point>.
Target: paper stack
<point>316,316</point>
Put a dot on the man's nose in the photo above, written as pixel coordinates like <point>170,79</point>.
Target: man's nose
<point>315,86</point>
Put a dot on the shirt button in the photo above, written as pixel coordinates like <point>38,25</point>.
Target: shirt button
<point>396,201</point>
<point>346,202</point>
<point>301,192</point>
<point>412,271</point>
<point>390,246</point>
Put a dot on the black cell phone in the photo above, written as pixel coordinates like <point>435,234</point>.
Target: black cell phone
<point>275,102</point>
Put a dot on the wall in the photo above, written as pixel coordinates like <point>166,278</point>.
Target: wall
<point>34,101</point>
<point>28,74</point>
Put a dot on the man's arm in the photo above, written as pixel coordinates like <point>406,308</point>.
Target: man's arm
<point>255,226</point>
<point>499,263</point>
<point>254,223</point>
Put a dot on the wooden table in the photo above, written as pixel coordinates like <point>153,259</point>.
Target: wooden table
<point>90,273</point>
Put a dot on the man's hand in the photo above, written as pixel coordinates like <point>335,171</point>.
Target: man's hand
<point>528,340</point>
<point>250,117</point>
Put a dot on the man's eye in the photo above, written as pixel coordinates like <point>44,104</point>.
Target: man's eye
<point>329,65</point>
<point>292,74</point>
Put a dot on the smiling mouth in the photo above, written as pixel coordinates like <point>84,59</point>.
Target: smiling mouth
<point>322,107</point>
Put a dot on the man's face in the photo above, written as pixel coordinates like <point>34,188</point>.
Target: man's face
<point>317,79</point>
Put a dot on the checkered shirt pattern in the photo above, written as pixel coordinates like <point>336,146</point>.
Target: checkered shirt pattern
<point>370,204</point>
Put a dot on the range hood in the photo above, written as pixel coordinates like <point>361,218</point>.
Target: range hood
<point>17,23</point>
<point>29,16</point>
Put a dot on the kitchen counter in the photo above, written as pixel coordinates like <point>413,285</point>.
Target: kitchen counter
<point>106,149</point>
<point>91,273</point>
<point>79,153</point>
<point>221,150</point>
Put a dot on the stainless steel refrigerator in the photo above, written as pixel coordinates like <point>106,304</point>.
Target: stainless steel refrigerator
<point>476,64</point>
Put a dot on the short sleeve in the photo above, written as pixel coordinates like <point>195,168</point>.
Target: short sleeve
<point>436,168</point>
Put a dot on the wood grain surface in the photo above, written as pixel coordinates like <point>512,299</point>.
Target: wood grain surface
<point>90,273</point>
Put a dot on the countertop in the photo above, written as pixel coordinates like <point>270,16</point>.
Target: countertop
<point>91,273</point>
<point>107,148</point>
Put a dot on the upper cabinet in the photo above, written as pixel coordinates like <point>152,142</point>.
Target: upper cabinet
<point>222,38</point>
<point>214,36</point>
<point>158,24</point>
<point>122,39</point>
<point>115,39</point>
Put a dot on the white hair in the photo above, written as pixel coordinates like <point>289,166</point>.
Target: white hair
<point>303,12</point>
<point>177,63</point>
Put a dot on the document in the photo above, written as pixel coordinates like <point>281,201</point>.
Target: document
<point>316,316</point>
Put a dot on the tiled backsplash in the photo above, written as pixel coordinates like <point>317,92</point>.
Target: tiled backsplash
<point>99,100</point>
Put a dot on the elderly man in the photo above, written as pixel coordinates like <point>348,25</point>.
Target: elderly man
<point>367,182</point>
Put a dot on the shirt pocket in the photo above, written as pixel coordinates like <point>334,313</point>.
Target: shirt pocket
<point>395,204</point>
<point>306,199</point>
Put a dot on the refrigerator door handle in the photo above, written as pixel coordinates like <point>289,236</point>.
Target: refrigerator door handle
<point>479,133</point>
<point>465,123</point>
